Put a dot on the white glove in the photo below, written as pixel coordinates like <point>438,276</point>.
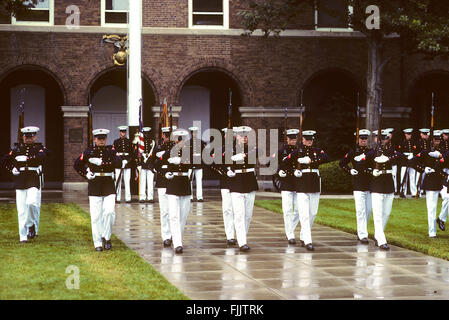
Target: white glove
<point>304,160</point>
<point>231,174</point>
<point>174,160</point>
<point>15,171</point>
<point>96,161</point>
<point>381,159</point>
<point>410,156</point>
<point>354,172</point>
<point>21,158</point>
<point>145,158</point>
<point>360,157</point>
<point>169,175</point>
<point>282,173</point>
<point>376,172</point>
<point>298,173</point>
<point>435,154</point>
<point>428,170</point>
<point>160,154</point>
<point>90,175</point>
<point>238,157</point>
<point>124,163</point>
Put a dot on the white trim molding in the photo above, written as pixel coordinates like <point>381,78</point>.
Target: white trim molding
<point>176,110</point>
<point>75,111</point>
<point>268,112</point>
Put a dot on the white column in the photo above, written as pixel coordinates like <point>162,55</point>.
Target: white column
<point>134,62</point>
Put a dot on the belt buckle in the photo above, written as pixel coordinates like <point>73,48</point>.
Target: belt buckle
<point>244,170</point>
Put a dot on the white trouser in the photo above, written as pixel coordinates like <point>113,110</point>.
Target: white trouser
<point>126,176</point>
<point>102,216</point>
<point>37,215</point>
<point>411,179</point>
<point>308,208</point>
<point>291,213</point>
<point>178,210</point>
<point>165,218</point>
<point>431,202</point>
<point>242,206</point>
<point>28,205</point>
<point>363,212</point>
<point>444,205</point>
<point>382,203</point>
<point>198,175</point>
<point>394,170</point>
<point>228,215</point>
<point>146,178</point>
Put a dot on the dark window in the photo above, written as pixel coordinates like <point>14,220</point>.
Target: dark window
<point>332,13</point>
<point>207,20</point>
<point>207,6</point>
<point>34,15</point>
<point>116,11</point>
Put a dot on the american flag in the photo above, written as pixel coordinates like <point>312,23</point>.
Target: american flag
<point>141,146</point>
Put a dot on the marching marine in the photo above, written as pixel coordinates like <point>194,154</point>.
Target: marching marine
<point>178,187</point>
<point>124,148</point>
<point>380,160</point>
<point>408,174</point>
<point>288,185</point>
<point>361,180</point>
<point>25,162</point>
<point>145,168</point>
<point>196,148</point>
<point>242,184</point>
<point>444,147</point>
<point>161,167</point>
<point>97,164</point>
<point>308,185</point>
<point>430,161</point>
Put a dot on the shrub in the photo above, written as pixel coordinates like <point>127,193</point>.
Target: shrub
<point>334,179</point>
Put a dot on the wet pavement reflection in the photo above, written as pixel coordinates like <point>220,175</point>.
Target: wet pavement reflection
<point>339,268</point>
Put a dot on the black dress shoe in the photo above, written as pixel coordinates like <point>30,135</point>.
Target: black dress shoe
<point>376,243</point>
<point>98,249</point>
<point>23,241</point>
<point>128,201</point>
<point>167,243</point>
<point>310,247</point>
<point>301,243</point>
<point>200,200</point>
<point>384,247</point>
<point>191,200</point>
<point>232,242</point>
<point>108,245</point>
<point>178,250</point>
<point>141,201</point>
<point>244,247</point>
<point>441,224</point>
<point>118,201</point>
<point>291,241</point>
<point>31,232</point>
<point>363,241</point>
<point>403,196</point>
<point>150,201</point>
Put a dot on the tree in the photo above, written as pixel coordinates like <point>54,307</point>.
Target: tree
<point>422,25</point>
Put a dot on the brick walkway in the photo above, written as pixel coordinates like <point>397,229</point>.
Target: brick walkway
<point>339,268</point>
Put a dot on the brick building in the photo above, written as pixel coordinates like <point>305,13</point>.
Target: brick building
<point>192,53</point>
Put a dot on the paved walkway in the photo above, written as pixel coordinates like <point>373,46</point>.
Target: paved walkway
<point>339,268</point>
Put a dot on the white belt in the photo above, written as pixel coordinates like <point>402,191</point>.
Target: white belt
<point>123,154</point>
<point>385,171</point>
<point>244,170</point>
<point>197,154</point>
<point>408,153</point>
<point>446,170</point>
<point>182,174</point>
<point>311,170</point>
<point>164,166</point>
<point>29,169</point>
<point>103,174</point>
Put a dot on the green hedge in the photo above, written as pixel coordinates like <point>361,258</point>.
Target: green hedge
<point>334,179</point>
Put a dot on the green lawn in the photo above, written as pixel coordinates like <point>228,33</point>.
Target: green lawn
<point>407,226</point>
<point>37,270</point>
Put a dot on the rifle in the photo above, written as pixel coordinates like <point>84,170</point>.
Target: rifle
<point>275,178</point>
<point>89,125</point>
<point>171,120</point>
<point>302,109</point>
<point>21,115</point>
<point>228,132</point>
<point>379,129</point>
<point>357,125</point>
<point>160,123</point>
<point>432,109</point>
